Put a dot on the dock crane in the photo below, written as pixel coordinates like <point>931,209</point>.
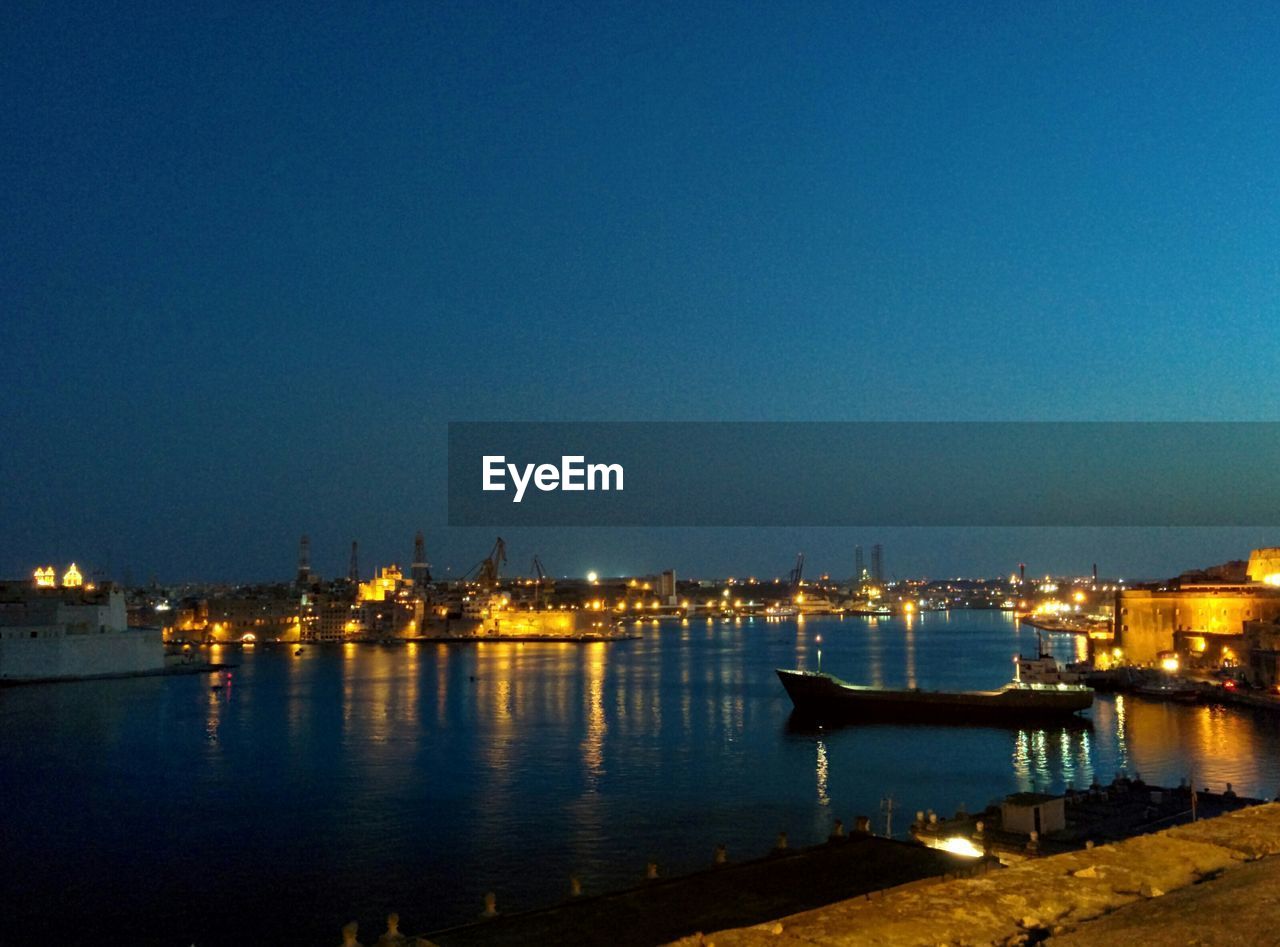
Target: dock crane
<point>491,566</point>
<point>540,577</point>
<point>798,572</point>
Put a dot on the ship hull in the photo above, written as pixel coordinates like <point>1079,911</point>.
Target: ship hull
<point>822,697</point>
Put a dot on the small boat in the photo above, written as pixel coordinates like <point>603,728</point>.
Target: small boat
<point>1180,692</point>
<point>299,651</point>
<point>824,697</point>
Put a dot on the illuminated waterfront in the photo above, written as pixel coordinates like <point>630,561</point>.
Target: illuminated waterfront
<point>352,780</point>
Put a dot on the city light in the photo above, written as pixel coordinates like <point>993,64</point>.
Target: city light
<point>959,845</point>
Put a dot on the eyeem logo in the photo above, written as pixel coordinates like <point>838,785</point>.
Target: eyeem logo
<point>574,473</point>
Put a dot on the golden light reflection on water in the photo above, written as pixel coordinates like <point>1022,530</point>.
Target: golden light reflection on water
<point>442,684</point>
<point>910,639</point>
<point>593,742</point>
<point>875,653</point>
<point>1165,742</point>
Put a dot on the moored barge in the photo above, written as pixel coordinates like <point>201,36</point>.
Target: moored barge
<point>825,698</point>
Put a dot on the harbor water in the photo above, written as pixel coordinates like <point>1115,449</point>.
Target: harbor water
<point>306,790</point>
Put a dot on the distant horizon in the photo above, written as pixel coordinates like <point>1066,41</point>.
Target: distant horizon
<point>1198,548</point>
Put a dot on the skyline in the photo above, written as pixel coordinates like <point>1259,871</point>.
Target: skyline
<point>253,266</point>
<point>453,552</point>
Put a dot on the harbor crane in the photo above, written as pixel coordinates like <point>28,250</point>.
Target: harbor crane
<point>540,577</point>
<point>490,568</point>
<point>798,572</point>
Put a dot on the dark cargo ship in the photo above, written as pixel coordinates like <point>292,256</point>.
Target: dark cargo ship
<point>823,697</point>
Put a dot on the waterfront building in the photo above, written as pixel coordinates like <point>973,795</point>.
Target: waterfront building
<point>1262,645</point>
<point>331,617</point>
<point>254,615</point>
<point>77,631</point>
<point>1201,617</point>
<point>667,587</point>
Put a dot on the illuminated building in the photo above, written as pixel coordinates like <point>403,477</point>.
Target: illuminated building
<point>1198,618</point>
<point>385,584</point>
<point>46,578</point>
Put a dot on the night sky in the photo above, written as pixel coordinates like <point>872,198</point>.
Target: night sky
<point>253,261</point>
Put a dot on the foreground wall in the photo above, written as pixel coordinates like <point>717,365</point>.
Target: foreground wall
<point>54,654</point>
<point>1032,900</point>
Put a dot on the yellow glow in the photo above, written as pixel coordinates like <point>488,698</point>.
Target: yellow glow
<point>1170,664</point>
<point>959,845</point>
<point>46,578</point>
<point>908,606</point>
<point>1197,643</point>
<point>592,578</point>
<point>1079,596</point>
<point>379,587</point>
<point>71,579</point>
<point>1272,579</point>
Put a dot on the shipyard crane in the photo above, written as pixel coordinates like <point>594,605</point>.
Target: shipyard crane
<point>541,576</point>
<point>798,572</point>
<point>491,566</point>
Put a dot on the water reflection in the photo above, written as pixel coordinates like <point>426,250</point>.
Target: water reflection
<point>823,798</point>
<point>453,768</point>
<point>910,640</point>
<point>593,743</point>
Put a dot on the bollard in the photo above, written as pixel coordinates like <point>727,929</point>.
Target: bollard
<point>1033,843</point>
<point>837,830</point>
<point>781,843</point>
<point>575,886</point>
<point>393,935</point>
<point>349,935</point>
<point>1088,846</point>
<point>490,905</point>
<point>721,856</point>
<point>651,871</point>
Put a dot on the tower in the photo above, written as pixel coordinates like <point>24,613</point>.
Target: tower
<point>304,561</point>
<point>420,572</point>
<point>859,567</point>
<point>353,570</point>
<point>877,563</point>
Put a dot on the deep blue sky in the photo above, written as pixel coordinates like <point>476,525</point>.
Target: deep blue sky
<point>252,261</point>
